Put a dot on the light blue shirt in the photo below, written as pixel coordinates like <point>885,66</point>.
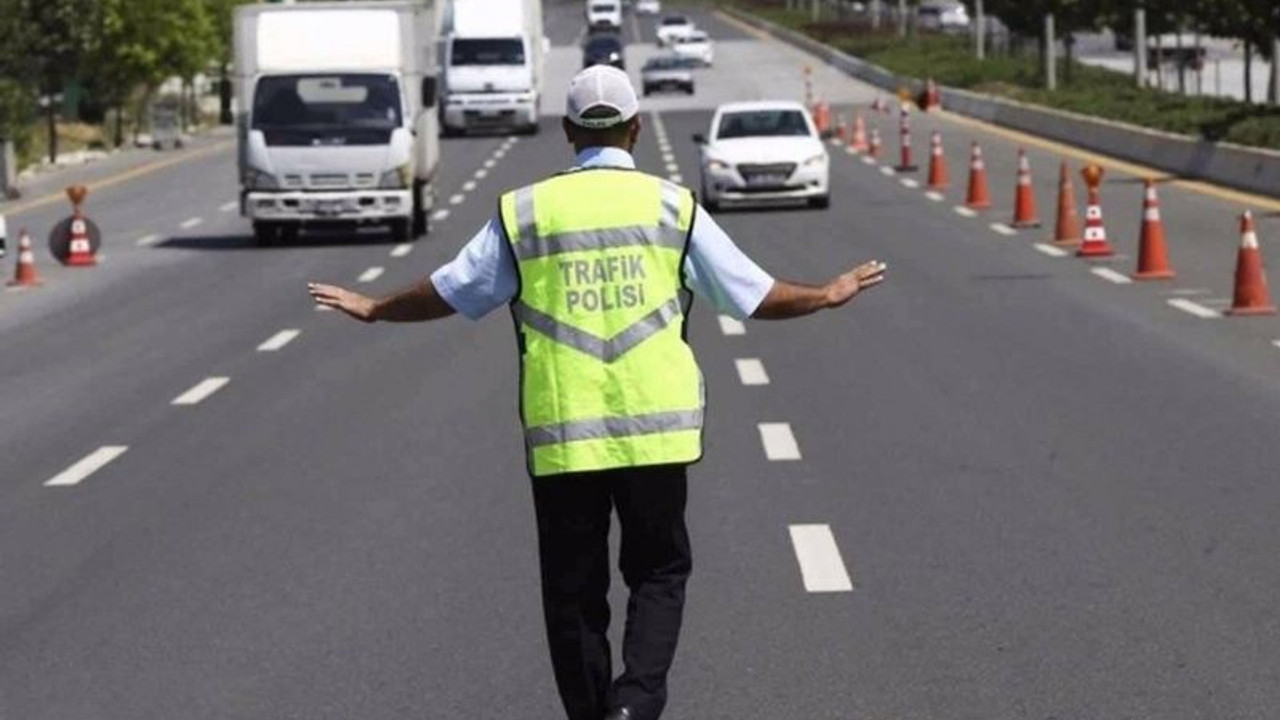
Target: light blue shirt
<point>483,276</point>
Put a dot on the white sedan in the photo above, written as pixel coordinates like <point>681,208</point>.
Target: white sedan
<point>763,151</point>
<point>695,45</point>
<point>648,7</point>
<point>672,27</point>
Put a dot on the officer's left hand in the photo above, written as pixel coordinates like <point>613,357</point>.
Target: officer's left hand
<point>352,303</point>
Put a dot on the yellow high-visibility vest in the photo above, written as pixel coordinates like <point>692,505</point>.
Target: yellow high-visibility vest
<point>607,379</point>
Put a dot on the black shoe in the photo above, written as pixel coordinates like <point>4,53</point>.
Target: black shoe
<point>619,714</point>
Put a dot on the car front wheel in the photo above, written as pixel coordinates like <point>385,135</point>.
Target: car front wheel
<point>822,202</point>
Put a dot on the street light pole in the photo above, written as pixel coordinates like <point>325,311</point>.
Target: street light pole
<point>1140,45</point>
<point>980,30</point>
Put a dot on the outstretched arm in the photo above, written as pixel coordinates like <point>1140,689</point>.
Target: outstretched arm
<point>415,304</point>
<point>788,300</point>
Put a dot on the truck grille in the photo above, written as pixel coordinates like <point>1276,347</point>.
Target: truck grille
<point>326,181</point>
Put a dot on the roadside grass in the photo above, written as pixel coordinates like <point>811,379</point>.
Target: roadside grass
<point>1082,89</point>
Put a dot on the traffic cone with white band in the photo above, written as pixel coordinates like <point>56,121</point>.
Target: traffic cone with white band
<point>1153,253</point>
<point>25,274</point>
<point>874,149</point>
<point>1251,296</point>
<point>1067,229</point>
<point>858,143</point>
<point>1095,233</point>
<point>1024,202</point>
<point>81,251</point>
<point>906,164</point>
<point>938,179</point>
<point>979,195</point>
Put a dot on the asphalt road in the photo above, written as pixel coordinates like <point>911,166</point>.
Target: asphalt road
<point>1049,495</point>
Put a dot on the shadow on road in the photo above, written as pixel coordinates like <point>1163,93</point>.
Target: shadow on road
<point>302,241</point>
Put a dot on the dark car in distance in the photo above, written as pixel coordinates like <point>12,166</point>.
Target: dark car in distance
<point>603,49</point>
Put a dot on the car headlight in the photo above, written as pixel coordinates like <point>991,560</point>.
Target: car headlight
<point>255,179</point>
<point>718,166</point>
<point>816,160</point>
<point>397,179</point>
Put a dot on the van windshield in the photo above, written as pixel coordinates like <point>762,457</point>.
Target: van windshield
<point>487,51</point>
<point>345,109</point>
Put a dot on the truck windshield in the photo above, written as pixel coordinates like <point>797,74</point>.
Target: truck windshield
<point>487,51</point>
<point>346,109</point>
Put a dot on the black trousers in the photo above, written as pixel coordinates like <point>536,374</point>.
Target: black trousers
<point>573,546</point>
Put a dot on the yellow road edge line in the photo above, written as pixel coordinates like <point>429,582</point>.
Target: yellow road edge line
<point>112,180</point>
<point>1220,192</point>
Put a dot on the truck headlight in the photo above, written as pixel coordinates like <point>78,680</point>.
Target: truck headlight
<point>255,179</point>
<point>397,179</point>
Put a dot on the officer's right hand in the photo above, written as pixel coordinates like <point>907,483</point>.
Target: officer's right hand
<point>842,289</point>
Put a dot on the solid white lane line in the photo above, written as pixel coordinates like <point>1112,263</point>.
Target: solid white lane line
<point>868,160</point>
<point>963,211</point>
<point>191,222</point>
<point>468,186</point>
<point>279,340</point>
<point>1003,229</point>
<point>457,199</point>
<point>1110,275</point>
<point>228,207</point>
<point>147,240</point>
<point>729,326</point>
<point>935,196</point>
<point>887,171</point>
<point>1193,308</point>
<point>440,214</point>
<point>821,566</point>
<point>1050,250</point>
<point>401,250</point>
<point>910,183</point>
<point>86,466</point>
<point>779,442</point>
<point>751,371</point>
<point>371,274</point>
<point>202,390</point>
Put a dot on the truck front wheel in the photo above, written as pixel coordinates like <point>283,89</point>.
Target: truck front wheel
<point>265,234</point>
<point>421,223</point>
<point>401,230</point>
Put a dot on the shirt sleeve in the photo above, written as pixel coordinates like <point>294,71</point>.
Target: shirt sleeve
<point>481,278</point>
<point>718,270</point>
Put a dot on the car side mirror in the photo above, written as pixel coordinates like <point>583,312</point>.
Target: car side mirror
<point>429,91</point>
<point>700,139</point>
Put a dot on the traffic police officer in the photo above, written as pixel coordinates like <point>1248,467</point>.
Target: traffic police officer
<point>599,265</point>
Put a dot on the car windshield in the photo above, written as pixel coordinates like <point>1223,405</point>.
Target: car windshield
<point>487,51</point>
<point>603,45</point>
<point>671,21</point>
<point>762,123</point>
<point>665,63</point>
<point>348,109</point>
<point>604,8</point>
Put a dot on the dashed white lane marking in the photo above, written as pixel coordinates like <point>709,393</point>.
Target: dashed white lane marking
<point>323,308</point>
<point>848,149</point>
<point>935,196</point>
<point>910,183</point>
<point>490,163</point>
<point>868,160</point>
<point>887,171</point>
<point>499,153</point>
<point>86,466</point>
<point>672,167</point>
<point>676,178</point>
<point>147,240</point>
<point>481,174</point>
<point>729,326</point>
<point>457,199</point>
<point>440,214</point>
<point>228,207</point>
<point>1185,292</point>
<point>1276,343</point>
<point>821,566</point>
<point>963,211</point>
<point>1193,308</point>
<point>668,157</point>
<point>191,222</point>
<point>1003,229</point>
<point>371,274</point>
<point>1050,250</point>
<point>401,250</point>
<point>468,186</point>
<point>1110,275</point>
<point>751,371</point>
<point>202,390</point>
<point>279,340</point>
<point>779,442</point>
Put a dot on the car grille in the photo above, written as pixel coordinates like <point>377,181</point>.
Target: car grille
<point>751,171</point>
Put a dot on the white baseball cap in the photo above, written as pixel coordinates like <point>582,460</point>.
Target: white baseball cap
<point>601,87</point>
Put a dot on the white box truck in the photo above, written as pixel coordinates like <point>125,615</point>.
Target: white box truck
<point>336,116</point>
<point>492,53</point>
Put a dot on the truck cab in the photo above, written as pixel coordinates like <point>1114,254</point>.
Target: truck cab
<point>492,53</point>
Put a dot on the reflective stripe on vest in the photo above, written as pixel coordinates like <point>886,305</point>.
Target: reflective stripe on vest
<point>607,380</point>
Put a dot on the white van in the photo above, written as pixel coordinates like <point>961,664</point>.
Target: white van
<point>604,13</point>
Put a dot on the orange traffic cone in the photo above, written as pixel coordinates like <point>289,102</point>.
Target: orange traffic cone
<point>874,149</point>
<point>81,252</point>
<point>840,132</point>
<point>906,164</point>
<point>1153,254</point>
<point>25,275</point>
<point>1024,202</point>
<point>932,96</point>
<point>877,105</point>
<point>1095,233</point>
<point>858,143</point>
<point>938,179</point>
<point>1251,296</point>
<point>979,195</point>
<point>1067,229</point>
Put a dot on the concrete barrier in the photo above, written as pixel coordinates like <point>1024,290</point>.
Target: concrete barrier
<point>1253,169</point>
